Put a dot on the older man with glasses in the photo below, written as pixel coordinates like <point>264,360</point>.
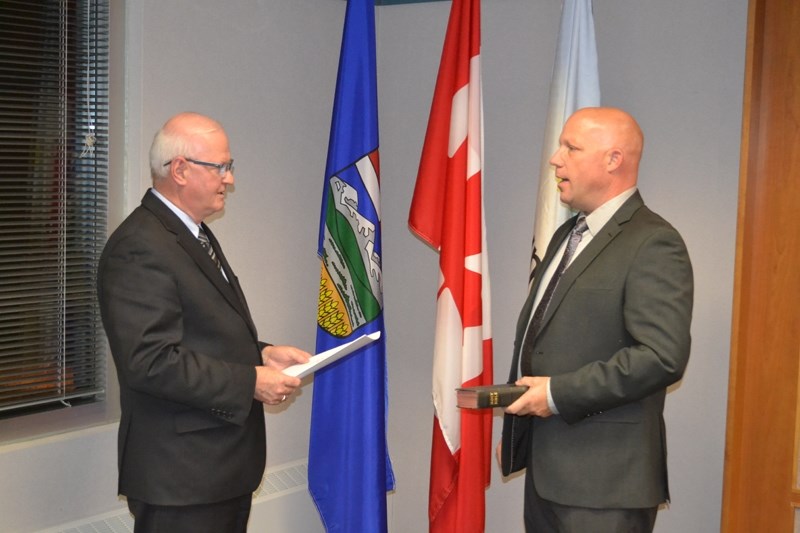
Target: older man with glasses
<point>193,375</point>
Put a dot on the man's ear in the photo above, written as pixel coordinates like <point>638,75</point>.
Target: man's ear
<point>615,158</point>
<point>177,171</point>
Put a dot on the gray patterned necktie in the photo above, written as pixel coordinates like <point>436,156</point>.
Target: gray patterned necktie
<point>206,244</point>
<point>575,237</point>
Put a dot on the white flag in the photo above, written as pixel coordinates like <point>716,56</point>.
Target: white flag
<point>575,84</point>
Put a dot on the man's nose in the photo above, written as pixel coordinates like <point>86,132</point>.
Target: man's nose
<point>555,159</point>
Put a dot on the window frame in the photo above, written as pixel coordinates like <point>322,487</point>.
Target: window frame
<point>104,407</point>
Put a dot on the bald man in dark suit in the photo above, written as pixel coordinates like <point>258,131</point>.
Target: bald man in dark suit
<point>602,349</point>
<point>193,375</point>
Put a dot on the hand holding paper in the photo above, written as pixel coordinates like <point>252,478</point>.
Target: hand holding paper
<point>272,386</point>
<point>323,359</point>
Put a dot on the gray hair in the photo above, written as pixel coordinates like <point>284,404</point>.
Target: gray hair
<point>176,138</point>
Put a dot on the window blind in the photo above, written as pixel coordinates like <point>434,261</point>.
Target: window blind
<point>53,200</point>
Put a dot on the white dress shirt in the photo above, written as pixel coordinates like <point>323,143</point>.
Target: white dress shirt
<point>595,222</point>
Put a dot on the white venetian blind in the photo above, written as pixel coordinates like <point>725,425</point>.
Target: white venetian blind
<point>53,189</point>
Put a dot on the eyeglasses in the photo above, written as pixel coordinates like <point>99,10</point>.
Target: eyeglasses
<point>222,168</point>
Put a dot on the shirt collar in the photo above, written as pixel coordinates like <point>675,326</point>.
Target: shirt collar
<point>186,219</point>
<point>598,218</point>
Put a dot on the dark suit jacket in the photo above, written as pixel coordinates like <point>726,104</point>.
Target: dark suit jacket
<point>185,349</point>
<point>615,335</point>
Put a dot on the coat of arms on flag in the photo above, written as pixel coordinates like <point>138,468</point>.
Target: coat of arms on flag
<point>350,286</point>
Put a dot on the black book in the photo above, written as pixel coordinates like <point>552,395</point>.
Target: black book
<point>487,396</point>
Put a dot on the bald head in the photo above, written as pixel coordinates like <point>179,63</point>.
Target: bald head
<point>598,156</point>
<point>614,129</point>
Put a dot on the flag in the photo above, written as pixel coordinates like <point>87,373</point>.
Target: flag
<point>575,84</point>
<point>349,471</point>
<point>447,213</point>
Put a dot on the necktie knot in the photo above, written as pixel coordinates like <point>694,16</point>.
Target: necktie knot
<point>580,226</point>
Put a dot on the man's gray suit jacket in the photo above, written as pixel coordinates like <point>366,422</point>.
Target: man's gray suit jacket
<point>614,337</point>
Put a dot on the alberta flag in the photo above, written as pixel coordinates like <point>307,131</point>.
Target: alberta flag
<point>349,471</point>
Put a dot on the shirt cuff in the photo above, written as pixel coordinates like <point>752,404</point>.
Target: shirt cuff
<point>550,403</point>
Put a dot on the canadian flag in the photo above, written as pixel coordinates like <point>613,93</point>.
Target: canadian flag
<point>447,213</point>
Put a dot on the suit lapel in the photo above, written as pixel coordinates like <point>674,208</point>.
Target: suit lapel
<point>525,315</point>
<point>189,243</point>
<point>233,282</point>
<point>599,242</point>
<point>555,243</point>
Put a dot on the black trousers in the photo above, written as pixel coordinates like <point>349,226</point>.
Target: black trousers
<point>229,516</point>
<point>544,516</point>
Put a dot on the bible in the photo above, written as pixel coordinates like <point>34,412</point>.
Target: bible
<point>488,396</point>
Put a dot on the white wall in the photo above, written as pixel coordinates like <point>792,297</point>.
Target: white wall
<point>266,69</point>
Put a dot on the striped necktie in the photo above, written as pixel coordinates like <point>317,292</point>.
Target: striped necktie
<point>575,237</point>
<point>206,244</point>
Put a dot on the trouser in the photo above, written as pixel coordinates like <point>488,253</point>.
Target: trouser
<point>229,516</point>
<point>543,516</point>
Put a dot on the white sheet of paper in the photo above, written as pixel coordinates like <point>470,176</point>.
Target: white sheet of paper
<point>323,359</point>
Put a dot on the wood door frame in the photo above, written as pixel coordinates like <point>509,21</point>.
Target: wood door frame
<point>760,489</point>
